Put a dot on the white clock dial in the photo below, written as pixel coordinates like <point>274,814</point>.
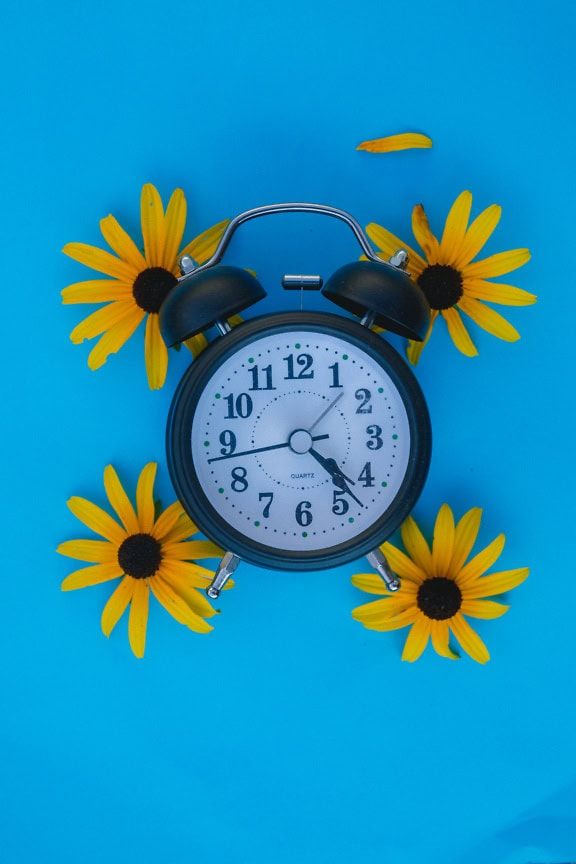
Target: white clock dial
<point>300,440</point>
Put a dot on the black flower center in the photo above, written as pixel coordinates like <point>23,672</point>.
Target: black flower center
<point>442,285</point>
<point>439,598</point>
<point>152,286</point>
<point>140,556</point>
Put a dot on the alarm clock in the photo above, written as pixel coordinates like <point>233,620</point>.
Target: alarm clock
<point>298,440</point>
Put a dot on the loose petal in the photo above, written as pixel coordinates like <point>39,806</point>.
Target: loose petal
<point>145,498</point>
<point>497,583</point>
<point>100,260</point>
<point>481,562</point>
<point>138,618</point>
<point>443,543</point>
<point>441,640</point>
<point>469,640</point>
<point>458,332</point>
<point>416,545</point>
<point>488,319</point>
<point>404,141</point>
<point>155,353</point>
<point>417,639</point>
<point>88,576</point>
<point>117,605</point>
<point>477,235</point>
<point>175,222</point>
<point>455,228</point>
<point>122,244</point>
<point>120,501</point>
<point>496,265</point>
<point>153,225</point>
<point>95,551</point>
<point>97,520</point>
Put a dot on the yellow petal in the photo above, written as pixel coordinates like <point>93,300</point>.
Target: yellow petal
<point>466,533</point>
<point>155,353</point>
<point>196,344</point>
<point>117,604</point>
<point>183,528</point>
<point>417,639</point>
<point>497,583</point>
<point>404,141</point>
<point>153,225</point>
<point>469,640</point>
<point>122,244</point>
<point>145,498</point>
<point>100,260</point>
<point>371,583</point>
<point>120,501</point>
<point>388,607</point>
<point>403,565</point>
<point>89,576</point>
<point>192,575</point>
<point>455,228</point>
<point>97,291</point>
<point>102,319</point>
<point>496,265</point>
<point>384,623</point>
<point>416,545</point>
<point>441,640</point>
<point>414,349</point>
<point>115,338</point>
<point>488,319</point>
<point>177,607</point>
<point>487,609</point>
<point>426,239</point>
<point>389,244</point>
<point>194,550</point>
<point>204,246</point>
<point>493,292</point>
<point>95,551</point>
<point>176,577</point>
<point>480,563</point>
<point>138,618</point>
<point>443,542</point>
<point>477,235</point>
<point>458,332</point>
<point>175,222</point>
<point>166,522</point>
<point>97,520</point>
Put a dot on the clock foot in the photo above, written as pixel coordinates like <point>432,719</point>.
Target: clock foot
<point>226,568</point>
<point>378,560</point>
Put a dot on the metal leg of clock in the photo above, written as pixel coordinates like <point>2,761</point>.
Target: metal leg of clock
<point>226,568</point>
<point>378,560</point>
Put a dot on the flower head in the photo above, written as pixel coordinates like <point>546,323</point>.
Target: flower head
<point>451,280</point>
<point>440,588</point>
<point>139,281</point>
<point>147,553</point>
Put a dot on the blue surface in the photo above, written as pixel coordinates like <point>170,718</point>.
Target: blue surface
<point>290,734</point>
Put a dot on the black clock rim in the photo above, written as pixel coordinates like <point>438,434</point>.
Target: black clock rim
<point>207,518</point>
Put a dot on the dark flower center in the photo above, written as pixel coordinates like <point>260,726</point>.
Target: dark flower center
<point>152,286</point>
<point>140,556</point>
<point>442,285</point>
<point>439,598</point>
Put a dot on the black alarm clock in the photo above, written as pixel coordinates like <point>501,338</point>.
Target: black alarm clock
<point>298,440</point>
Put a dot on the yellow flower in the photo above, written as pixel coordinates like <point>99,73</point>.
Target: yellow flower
<point>139,282</point>
<point>146,553</point>
<point>404,141</point>
<point>439,587</point>
<point>451,280</point>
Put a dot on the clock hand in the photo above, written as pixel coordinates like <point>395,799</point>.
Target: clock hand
<point>331,405</point>
<point>261,449</point>
<point>338,477</point>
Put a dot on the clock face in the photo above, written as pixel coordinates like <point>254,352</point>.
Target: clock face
<point>298,441</point>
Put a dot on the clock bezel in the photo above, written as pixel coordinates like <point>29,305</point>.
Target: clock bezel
<point>190,491</point>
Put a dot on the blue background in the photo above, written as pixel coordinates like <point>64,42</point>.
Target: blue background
<point>290,734</point>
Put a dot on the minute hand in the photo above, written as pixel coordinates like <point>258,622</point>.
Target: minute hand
<point>260,449</point>
<point>338,477</point>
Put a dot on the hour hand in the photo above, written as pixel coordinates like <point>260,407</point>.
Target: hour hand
<point>339,479</point>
